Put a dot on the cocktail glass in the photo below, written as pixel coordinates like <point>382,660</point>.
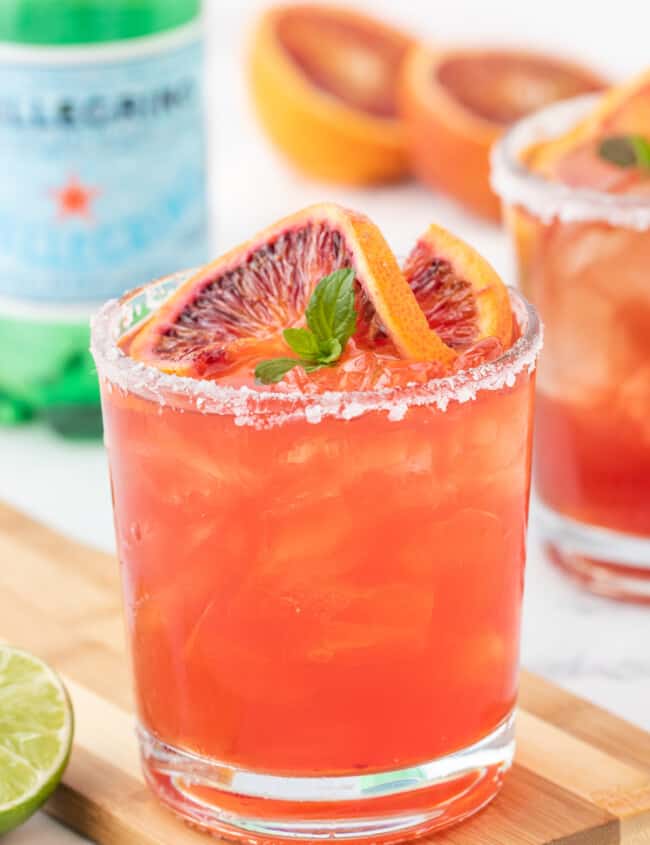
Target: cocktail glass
<point>583,259</point>
<point>322,592</point>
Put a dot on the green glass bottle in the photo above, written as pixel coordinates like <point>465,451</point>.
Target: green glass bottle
<point>103,188</point>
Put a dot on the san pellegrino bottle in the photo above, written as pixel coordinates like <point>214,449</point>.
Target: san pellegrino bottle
<point>102,182</point>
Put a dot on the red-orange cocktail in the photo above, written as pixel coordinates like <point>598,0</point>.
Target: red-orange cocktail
<point>582,241</point>
<point>323,589</point>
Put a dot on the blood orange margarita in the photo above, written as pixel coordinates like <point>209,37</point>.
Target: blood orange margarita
<point>322,581</point>
<point>582,241</point>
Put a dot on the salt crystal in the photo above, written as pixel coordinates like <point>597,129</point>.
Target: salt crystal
<point>351,410</point>
<point>397,412</point>
<point>313,414</point>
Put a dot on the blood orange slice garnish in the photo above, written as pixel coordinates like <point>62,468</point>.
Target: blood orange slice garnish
<point>233,313</point>
<point>576,158</point>
<point>463,298</point>
<point>324,83</point>
<point>457,103</point>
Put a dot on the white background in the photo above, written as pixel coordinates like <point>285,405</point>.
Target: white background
<point>597,648</point>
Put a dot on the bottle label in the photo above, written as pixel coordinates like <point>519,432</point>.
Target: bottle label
<point>103,167</point>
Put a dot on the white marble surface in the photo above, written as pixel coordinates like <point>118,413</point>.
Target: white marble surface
<point>593,647</point>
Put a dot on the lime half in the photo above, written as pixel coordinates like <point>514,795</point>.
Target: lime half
<point>36,727</point>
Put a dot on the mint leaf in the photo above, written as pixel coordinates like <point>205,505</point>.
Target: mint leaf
<point>330,351</point>
<point>331,313</point>
<point>303,342</point>
<point>274,370</point>
<point>332,319</point>
<point>642,150</point>
<point>618,150</point>
<point>626,151</point>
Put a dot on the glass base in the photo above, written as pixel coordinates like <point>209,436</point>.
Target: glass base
<point>381,807</point>
<point>608,563</point>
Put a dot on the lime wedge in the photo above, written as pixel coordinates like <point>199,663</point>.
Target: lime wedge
<point>36,727</point>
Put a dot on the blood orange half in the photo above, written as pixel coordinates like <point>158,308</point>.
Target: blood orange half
<point>463,298</point>
<point>233,312</point>
<point>324,83</point>
<point>456,104</point>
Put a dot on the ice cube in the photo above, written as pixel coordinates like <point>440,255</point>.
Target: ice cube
<point>633,401</point>
<point>591,286</point>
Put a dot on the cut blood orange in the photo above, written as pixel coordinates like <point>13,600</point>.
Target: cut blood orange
<point>573,158</point>
<point>626,108</point>
<point>324,83</point>
<point>457,103</point>
<point>231,315</point>
<point>464,300</point>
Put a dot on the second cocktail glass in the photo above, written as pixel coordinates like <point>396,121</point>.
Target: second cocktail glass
<point>583,259</point>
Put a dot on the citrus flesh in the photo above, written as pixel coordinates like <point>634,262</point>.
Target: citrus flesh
<point>502,86</point>
<point>324,83</point>
<point>350,57</point>
<point>456,104</point>
<point>574,158</point>
<point>36,727</point>
<point>412,325</point>
<point>462,297</point>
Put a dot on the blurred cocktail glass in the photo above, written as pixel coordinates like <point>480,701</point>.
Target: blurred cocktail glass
<point>583,258</point>
<point>322,592</point>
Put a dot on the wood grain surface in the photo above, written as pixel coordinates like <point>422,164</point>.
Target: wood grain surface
<point>581,777</point>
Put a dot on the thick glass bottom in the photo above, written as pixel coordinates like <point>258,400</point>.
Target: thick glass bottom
<point>386,806</point>
<point>605,562</point>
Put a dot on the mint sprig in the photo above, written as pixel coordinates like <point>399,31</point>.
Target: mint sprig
<point>332,320</point>
<point>626,151</point>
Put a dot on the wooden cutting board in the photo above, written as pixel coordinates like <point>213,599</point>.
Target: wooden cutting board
<point>582,776</point>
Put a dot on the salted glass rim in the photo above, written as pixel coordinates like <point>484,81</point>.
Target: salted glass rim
<point>250,406</point>
<point>517,185</point>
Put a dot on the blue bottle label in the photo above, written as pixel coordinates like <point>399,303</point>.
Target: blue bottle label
<point>103,167</point>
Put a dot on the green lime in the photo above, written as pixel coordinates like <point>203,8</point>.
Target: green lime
<point>36,727</point>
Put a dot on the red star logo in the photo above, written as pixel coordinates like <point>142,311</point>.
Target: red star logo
<point>74,199</point>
